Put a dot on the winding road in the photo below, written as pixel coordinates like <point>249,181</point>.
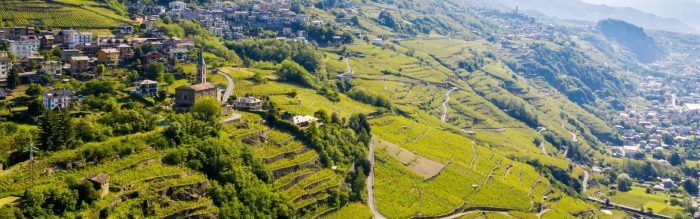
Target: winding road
<point>544,149</point>
<point>229,87</point>
<point>444,104</point>
<point>370,184</point>
<point>584,184</point>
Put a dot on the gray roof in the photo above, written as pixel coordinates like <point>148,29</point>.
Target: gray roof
<point>59,93</point>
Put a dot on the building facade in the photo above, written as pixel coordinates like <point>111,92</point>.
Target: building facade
<point>57,99</point>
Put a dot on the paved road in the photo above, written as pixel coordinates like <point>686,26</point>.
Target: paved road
<point>444,104</point>
<point>229,87</point>
<point>370,184</point>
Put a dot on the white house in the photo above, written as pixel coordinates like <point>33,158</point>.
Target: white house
<point>177,6</point>
<point>147,87</point>
<point>73,38</point>
<point>250,103</point>
<point>84,38</point>
<point>5,65</point>
<point>303,121</point>
<point>57,99</point>
<point>51,68</point>
<point>24,47</point>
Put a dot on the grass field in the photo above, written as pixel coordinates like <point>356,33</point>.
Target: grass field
<point>638,198</point>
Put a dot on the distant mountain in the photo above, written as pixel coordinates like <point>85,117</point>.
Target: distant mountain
<point>633,38</point>
<point>579,10</point>
<point>683,10</point>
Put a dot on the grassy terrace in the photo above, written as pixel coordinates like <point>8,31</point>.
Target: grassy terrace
<point>638,198</point>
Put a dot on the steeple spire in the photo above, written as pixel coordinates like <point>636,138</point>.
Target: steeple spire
<point>201,69</point>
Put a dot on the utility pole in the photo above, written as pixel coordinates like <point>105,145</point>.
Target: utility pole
<point>31,149</point>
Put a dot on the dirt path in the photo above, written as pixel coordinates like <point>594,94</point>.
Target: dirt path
<point>544,149</point>
<point>584,185</point>
<point>386,87</point>
<point>444,104</point>
<point>349,68</point>
<point>370,184</point>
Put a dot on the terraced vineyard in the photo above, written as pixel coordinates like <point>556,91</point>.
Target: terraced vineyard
<point>40,13</point>
<point>297,172</point>
<point>473,176</point>
<point>169,191</point>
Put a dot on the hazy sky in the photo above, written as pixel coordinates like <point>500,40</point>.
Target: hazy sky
<point>687,11</point>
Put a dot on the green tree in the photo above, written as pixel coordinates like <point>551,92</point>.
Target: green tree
<point>624,183</point>
<point>293,72</point>
<point>691,186</point>
<point>56,130</point>
<point>13,78</point>
<point>676,159</point>
<point>169,78</point>
<point>33,90</point>
<point>207,108</point>
<point>154,71</point>
<point>100,69</point>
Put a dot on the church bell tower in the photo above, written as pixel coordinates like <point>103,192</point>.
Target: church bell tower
<point>201,69</point>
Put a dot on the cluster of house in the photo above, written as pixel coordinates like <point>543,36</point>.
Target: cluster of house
<point>517,26</point>
<point>185,97</point>
<point>81,51</point>
<point>674,114</point>
<point>233,21</point>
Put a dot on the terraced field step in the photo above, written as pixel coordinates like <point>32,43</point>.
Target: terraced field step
<point>291,180</point>
<point>271,149</point>
<point>288,154</point>
<point>311,202</point>
<point>314,191</point>
<point>305,185</point>
<point>287,166</point>
<point>182,209</point>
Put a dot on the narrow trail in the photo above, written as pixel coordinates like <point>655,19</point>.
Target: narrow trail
<point>544,149</point>
<point>349,68</point>
<point>370,184</point>
<point>386,87</point>
<point>444,104</point>
<point>539,215</point>
<point>584,184</point>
